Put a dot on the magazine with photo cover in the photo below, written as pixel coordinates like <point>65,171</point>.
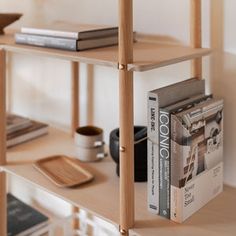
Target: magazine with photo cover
<point>165,149</point>
<point>196,157</point>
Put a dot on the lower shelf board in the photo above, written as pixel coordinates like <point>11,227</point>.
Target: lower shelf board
<point>101,196</point>
<point>217,218</point>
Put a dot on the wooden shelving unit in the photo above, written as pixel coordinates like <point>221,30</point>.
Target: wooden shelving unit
<point>125,205</point>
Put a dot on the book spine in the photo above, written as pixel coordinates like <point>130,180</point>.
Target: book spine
<point>176,208</point>
<point>164,162</point>
<point>45,41</point>
<point>153,163</point>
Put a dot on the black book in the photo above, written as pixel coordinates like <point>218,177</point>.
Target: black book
<point>22,219</point>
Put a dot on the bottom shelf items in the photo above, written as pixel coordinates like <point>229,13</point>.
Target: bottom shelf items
<point>101,196</point>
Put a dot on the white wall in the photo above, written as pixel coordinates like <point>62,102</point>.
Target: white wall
<point>41,85</point>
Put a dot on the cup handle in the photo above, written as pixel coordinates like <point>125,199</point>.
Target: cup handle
<point>102,155</point>
<point>99,143</point>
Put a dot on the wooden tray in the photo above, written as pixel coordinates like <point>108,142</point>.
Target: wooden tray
<point>63,171</point>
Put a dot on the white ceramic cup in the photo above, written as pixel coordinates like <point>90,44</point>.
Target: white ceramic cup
<point>90,154</point>
<point>89,143</point>
<point>89,137</point>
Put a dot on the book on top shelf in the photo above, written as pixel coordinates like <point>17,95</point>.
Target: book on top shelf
<point>72,30</point>
<point>160,98</point>
<point>22,219</point>
<point>196,157</point>
<point>65,43</point>
<point>24,133</point>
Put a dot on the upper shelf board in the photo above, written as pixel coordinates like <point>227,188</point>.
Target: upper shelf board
<point>147,55</point>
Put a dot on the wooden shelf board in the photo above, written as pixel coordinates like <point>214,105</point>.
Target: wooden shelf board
<point>101,197</point>
<point>147,55</point>
<point>217,218</point>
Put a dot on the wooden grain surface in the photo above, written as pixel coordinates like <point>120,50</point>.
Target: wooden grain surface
<point>63,171</point>
<point>147,55</point>
<point>196,35</point>
<point>126,111</point>
<point>3,204</point>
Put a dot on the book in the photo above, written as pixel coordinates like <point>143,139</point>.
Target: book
<point>65,43</point>
<point>36,129</point>
<point>22,219</point>
<point>16,122</point>
<point>196,157</point>
<point>159,98</point>
<point>165,147</point>
<point>72,30</point>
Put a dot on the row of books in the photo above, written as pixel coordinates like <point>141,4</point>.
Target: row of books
<point>72,37</point>
<point>20,129</point>
<point>185,149</point>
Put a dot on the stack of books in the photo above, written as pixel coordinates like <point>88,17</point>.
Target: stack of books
<point>22,219</point>
<point>185,149</point>
<point>21,129</point>
<point>71,37</point>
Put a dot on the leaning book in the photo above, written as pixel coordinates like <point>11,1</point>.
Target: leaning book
<point>196,157</point>
<point>22,219</point>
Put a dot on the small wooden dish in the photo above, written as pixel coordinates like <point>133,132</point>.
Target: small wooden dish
<point>8,18</point>
<point>63,171</point>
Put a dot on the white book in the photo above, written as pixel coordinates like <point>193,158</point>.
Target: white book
<point>196,157</point>
<point>72,30</point>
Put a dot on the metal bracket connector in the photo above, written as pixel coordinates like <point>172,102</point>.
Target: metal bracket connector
<point>123,232</point>
<point>122,149</point>
<point>122,66</point>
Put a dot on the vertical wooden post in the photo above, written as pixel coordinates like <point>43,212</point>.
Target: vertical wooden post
<point>3,204</point>
<point>75,117</point>
<point>196,35</point>
<point>126,116</point>
<point>74,96</point>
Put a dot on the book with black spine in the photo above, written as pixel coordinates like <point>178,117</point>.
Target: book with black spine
<point>69,44</point>
<point>159,98</point>
<point>165,147</point>
<point>22,219</point>
<point>196,157</point>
